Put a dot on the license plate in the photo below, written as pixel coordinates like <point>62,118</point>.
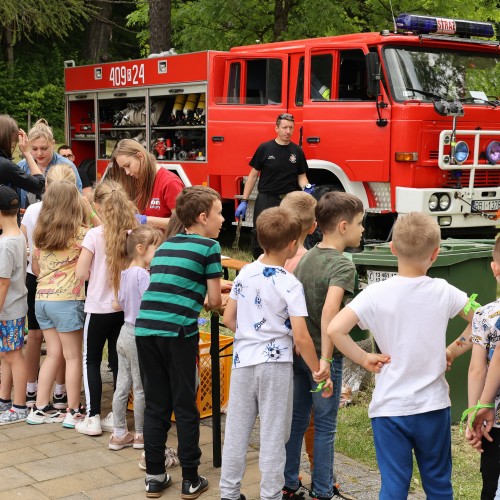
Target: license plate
<point>486,205</point>
<point>376,276</point>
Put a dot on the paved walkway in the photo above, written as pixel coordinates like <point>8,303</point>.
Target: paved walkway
<point>46,461</point>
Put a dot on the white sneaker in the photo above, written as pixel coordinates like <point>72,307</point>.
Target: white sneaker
<point>107,423</point>
<point>90,426</point>
<point>72,418</point>
<point>47,415</point>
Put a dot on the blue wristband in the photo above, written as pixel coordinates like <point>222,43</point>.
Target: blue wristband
<point>141,219</point>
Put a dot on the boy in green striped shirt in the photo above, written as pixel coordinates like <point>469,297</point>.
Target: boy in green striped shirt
<point>185,269</point>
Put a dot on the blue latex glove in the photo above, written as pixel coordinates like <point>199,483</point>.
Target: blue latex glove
<point>241,210</point>
<point>309,188</point>
<point>141,219</point>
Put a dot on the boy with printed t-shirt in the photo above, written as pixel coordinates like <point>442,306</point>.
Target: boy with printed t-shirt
<point>408,315</point>
<point>267,311</point>
<point>183,270</point>
<point>13,305</point>
<point>485,337</point>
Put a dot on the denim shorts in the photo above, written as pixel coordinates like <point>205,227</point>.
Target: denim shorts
<point>11,334</point>
<point>63,315</point>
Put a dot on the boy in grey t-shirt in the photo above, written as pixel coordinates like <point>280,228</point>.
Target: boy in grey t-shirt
<point>13,307</point>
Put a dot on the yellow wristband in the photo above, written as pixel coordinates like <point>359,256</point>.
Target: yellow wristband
<point>92,215</point>
<point>329,360</point>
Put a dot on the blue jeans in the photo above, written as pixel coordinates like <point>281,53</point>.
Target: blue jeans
<point>325,426</point>
<point>429,436</point>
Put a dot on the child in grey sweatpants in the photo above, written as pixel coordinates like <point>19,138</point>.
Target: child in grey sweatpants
<point>266,310</point>
<point>141,244</point>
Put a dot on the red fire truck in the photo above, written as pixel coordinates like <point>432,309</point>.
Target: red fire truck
<point>407,120</point>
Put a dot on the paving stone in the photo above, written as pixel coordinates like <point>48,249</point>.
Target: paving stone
<point>77,483</point>
<point>123,489</point>
<point>127,470</point>
<point>16,479</point>
<point>26,493</point>
<point>75,442</point>
<point>60,466</point>
<point>21,455</point>
<point>16,444</point>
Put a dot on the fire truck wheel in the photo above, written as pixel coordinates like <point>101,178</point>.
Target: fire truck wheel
<point>319,191</point>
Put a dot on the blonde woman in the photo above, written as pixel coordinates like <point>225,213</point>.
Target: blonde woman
<point>152,188</point>
<point>101,262</point>
<point>41,146</point>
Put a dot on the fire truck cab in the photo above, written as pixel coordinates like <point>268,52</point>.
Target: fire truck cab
<point>406,120</point>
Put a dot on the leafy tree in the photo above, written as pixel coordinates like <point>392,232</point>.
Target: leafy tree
<point>24,18</point>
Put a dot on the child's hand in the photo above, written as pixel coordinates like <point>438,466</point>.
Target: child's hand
<point>474,440</point>
<point>449,359</point>
<point>327,389</point>
<point>483,422</point>
<point>374,362</point>
<point>225,285</point>
<point>324,371</point>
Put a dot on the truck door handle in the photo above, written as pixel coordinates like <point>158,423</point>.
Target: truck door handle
<point>313,140</point>
<point>217,138</point>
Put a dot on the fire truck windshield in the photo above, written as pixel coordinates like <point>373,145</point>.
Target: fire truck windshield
<point>424,73</point>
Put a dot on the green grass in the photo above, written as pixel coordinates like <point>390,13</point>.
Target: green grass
<point>355,439</point>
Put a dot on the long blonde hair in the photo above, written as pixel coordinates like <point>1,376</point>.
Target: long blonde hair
<point>60,217</point>
<point>117,214</point>
<point>140,189</point>
<point>61,172</point>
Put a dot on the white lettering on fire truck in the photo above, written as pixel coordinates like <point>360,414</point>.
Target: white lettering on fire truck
<point>121,75</point>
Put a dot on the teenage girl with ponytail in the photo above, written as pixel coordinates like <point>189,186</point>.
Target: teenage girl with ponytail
<point>101,262</point>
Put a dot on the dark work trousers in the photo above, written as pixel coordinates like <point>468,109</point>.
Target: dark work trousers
<point>263,201</point>
<point>490,465</point>
<point>168,372</point>
<point>97,329</point>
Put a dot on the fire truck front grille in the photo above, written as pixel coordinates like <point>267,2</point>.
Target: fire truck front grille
<point>482,178</point>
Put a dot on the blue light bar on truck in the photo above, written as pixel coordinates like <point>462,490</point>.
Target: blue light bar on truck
<point>426,25</point>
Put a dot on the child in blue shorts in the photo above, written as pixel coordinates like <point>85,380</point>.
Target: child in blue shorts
<point>13,304</point>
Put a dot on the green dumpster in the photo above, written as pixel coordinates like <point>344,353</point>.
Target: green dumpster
<point>464,264</point>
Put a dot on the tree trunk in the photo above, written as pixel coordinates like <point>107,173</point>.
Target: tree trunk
<point>281,11</point>
<point>98,33</point>
<point>8,48</point>
<point>160,27</point>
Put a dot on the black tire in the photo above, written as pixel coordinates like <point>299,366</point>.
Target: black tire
<point>317,236</point>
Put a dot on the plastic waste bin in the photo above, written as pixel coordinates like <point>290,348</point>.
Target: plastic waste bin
<point>464,264</point>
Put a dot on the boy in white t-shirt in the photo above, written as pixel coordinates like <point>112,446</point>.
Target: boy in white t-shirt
<point>267,311</point>
<point>408,315</point>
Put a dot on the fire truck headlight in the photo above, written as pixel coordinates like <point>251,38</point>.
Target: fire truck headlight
<point>444,201</point>
<point>433,202</point>
<point>444,221</point>
<point>493,152</point>
<point>461,152</point>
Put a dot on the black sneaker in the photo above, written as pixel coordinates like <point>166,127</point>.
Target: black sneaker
<point>192,490</point>
<point>242,497</point>
<point>60,401</point>
<point>30,399</point>
<point>154,488</point>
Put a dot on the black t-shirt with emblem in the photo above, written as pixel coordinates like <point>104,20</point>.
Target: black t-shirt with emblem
<point>279,167</point>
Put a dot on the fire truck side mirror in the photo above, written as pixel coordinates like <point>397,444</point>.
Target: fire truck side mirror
<point>373,74</point>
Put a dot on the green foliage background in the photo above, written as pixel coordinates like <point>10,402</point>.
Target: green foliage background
<point>46,35</point>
